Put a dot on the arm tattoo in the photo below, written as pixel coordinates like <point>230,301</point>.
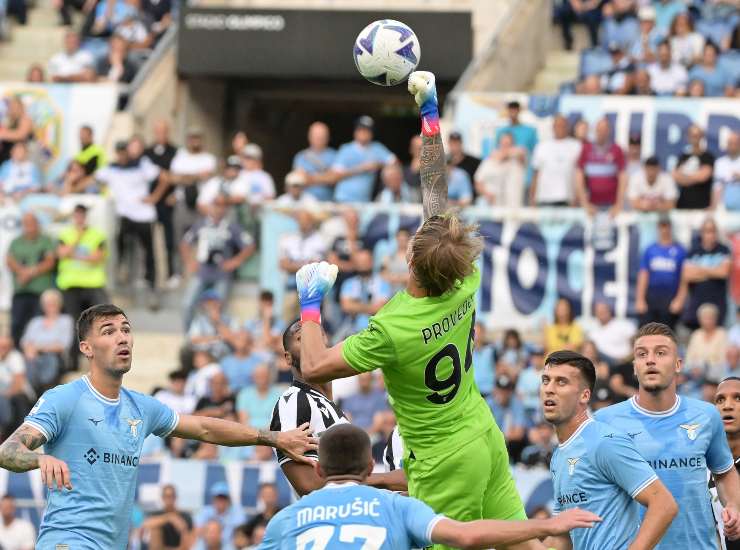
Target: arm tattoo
<point>17,452</point>
<point>266,437</point>
<point>433,176</point>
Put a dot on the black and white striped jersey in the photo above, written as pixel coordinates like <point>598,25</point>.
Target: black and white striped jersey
<point>717,510</point>
<point>299,404</point>
<point>393,454</point>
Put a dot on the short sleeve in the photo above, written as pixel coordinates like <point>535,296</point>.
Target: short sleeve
<point>149,169</point>
<point>645,259</point>
<point>287,415</point>
<point>350,289</point>
<point>341,161</point>
<point>581,163</point>
<point>619,461</point>
<point>619,157</point>
<point>369,349</point>
<point>719,456</point>
<point>384,154</point>
<point>103,175</point>
<point>418,519</point>
<point>633,186</point>
<point>671,189</point>
<point>50,413</point>
<point>162,419</point>
<point>275,531</point>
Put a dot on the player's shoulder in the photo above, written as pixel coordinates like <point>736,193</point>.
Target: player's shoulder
<point>70,391</point>
<point>140,399</point>
<point>692,406</point>
<point>608,414</point>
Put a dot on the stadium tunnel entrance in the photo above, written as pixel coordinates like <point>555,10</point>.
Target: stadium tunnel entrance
<point>276,115</point>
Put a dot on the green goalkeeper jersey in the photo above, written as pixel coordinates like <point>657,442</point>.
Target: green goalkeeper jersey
<point>424,347</point>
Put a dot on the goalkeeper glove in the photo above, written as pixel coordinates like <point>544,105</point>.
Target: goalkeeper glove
<point>422,87</point>
<point>313,281</point>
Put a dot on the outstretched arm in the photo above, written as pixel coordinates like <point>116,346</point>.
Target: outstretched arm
<point>232,434</point>
<point>433,164</point>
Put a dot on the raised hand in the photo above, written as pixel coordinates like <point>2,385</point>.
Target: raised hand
<point>314,281</point>
<point>296,442</point>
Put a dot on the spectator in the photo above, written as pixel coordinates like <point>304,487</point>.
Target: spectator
<point>484,366</point>
<point>268,504</point>
<point>169,528</point>
<point>590,85</point>
<point>239,365</point>
<point>174,396</point>
<point>693,172</point>
<point>645,47</point>
<point>116,67</point>
<point>296,195</point>
<point>267,328</point>
<point>15,393</point>
<point>499,179</point>
<point>620,77</point>
<point>641,84</point>
<point>587,12</point>
<point>611,336</point>
<point>16,126</point>
<point>667,77</point>
<point>717,80</point>
<point>81,269</point>
<point>161,153</point>
<point>134,31</point>
<point>511,355</point>
<point>524,135</point>
<point>366,403</point>
<point>16,533</point>
<point>129,185</point>
<point>35,74</point>
<point>528,384</point>
<point>213,250</point>
<point>296,250</point>
<point>72,64</point>
<point>18,175</point>
<point>554,162</point>
<point>259,183</point>
<point>357,162</point>
<point>659,278</point>
<point>733,335</point>
<point>666,12</point>
<point>211,329</point>
<point>220,513</point>
<point>30,259</point>
<point>347,242</point>
<point>633,162</point>
<point>508,410</point>
<point>254,404</point>
<point>564,333</point>
<point>395,269</point>
<point>696,88</point>
<point>189,169</point>
<point>620,25</point>
<point>198,383</point>
<point>707,350</point>
<point>363,294</point>
<point>603,396</point>
<point>411,172</point>
<point>46,341</point>
<point>238,142</point>
<point>539,451</point>
<point>580,130</point>
<point>91,156</point>
<point>652,190</point>
<point>600,178</point>
<point>219,402</point>
<point>159,12</point>
<point>704,276</point>
<point>108,15</point>
<point>686,44</point>
<point>230,184</point>
<point>732,365</point>
<point>458,156</point>
<point>316,161</point>
<point>727,175</point>
<point>395,190</point>
<point>459,187</point>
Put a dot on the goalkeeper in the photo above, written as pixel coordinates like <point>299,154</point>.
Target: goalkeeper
<point>455,456</point>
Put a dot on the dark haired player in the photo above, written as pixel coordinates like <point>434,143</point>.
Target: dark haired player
<point>680,438</point>
<point>727,401</point>
<point>597,468</point>
<point>93,429</point>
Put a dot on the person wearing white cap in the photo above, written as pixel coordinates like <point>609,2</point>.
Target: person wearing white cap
<point>260,185</point>
<point>295,195</point>
<point>231,183</point>
<point>645,47</point>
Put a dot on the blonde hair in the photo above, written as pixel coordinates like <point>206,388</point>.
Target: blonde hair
<point>443,252</point>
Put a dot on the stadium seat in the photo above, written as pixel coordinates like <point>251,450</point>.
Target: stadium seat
<point>19,486</point>
<point>285,491</point>
<point>214,473</point>
<point>250,486</point>
<point>731,62</point>
<point>594,61</point>
<point>148,473</point>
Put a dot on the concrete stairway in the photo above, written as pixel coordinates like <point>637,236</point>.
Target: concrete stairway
<point>560,65</point>
<point>34,42</point>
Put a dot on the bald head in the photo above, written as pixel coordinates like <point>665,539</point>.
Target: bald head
<point>318,135</point>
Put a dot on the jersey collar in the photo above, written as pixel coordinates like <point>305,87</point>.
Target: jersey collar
<point>342,485</point>
<point>99,396</point>
<point>654,414</point>
<point>575,434</point>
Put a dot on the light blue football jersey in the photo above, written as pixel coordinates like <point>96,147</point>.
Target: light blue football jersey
<point>349,516</point>
<point>680,444</point>
<point>598,469</point>
<point>100,439</point>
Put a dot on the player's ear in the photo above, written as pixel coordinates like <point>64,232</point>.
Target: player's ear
<point>85,348</point>
<point>370,467</point>
<point>679,364</point>
<point>318,470</point>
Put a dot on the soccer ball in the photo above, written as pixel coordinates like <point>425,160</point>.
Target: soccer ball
<point>386,52</point>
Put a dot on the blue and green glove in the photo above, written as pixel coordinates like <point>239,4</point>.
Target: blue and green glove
<point>314,281</point>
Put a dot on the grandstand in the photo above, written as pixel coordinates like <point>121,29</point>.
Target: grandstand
<point>149,112</point>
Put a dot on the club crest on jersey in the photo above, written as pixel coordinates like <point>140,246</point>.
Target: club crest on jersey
<point>133,424</point>
<point>691,430</point>
<point>572,464</point>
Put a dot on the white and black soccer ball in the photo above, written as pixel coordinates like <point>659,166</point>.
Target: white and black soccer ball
<point>386,52</point>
